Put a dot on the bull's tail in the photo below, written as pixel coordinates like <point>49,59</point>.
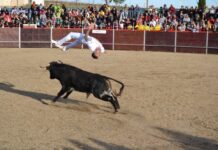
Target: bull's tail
<point>121,88</point>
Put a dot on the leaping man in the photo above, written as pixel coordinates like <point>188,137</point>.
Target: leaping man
<point>93,44</point>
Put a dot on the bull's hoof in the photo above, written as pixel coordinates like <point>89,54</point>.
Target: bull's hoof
<point>116,111</point>
<point>54,100</point>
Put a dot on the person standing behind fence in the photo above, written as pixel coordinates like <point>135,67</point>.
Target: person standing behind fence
<point>93,44</point>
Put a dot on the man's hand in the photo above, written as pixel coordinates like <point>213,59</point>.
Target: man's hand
<point>91,26</point>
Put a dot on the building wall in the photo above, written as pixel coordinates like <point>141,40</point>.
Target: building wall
<point>12,3</point>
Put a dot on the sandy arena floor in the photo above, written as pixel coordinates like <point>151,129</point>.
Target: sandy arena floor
<point>169,102</point>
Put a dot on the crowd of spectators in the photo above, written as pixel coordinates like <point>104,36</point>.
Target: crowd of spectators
<point>164,18</point>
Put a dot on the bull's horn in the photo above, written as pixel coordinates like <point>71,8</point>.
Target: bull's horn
<point>42,67</point>
<point>60,61</point>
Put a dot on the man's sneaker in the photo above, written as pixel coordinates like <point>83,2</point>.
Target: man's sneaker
<point>64,48</point>
<point>54,42</point>
<point>59,46</point>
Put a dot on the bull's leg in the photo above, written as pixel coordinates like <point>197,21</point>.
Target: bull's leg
<point>68,93</point>
<point>111,99</point>
<point>116,102</point>
<point>101,90</point>
<point>87,95</point>
<point>60,93</point>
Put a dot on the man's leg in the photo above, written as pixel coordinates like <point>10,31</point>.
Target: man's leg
<point>71,35</point>
<point>73,44</point>
<point>68,37</point>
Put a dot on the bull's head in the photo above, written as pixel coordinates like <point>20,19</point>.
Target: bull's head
<point>51,68</point>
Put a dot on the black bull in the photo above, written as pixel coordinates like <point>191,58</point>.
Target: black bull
<point>73,78</point>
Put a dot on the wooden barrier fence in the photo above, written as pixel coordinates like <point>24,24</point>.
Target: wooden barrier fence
<point>202,42</point>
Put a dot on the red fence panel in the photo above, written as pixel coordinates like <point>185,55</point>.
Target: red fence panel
<point>129,40</point>
<point>105,39</point>
<point>213,43</point>
<point>35,38</point>
<point>160,41</point>
<point>191,42</point>
<point>123,39</point>
<point>9,37</point>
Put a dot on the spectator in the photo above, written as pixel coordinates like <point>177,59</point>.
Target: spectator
<point>123,17</point>
<point>181,26</point>
<point>216,25</point>
<point>152,23</point>
<point>186,20</point>
<point>172,10</point>
<point>43,19</point>
<point>202,25</point>
<point>193,27</point>
<point>195,19</point>
<point>212,11</point>
<point>7,20</point>
<point>210,23</point>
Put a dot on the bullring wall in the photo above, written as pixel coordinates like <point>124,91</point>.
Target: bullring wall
<point>203,42</point>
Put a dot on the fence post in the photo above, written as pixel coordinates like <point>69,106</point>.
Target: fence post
<point>82,33</point>
<point>207,36</point>
<point>144,40</point>
<point>51,36</point>
<point>19,36</point>
<point>175,41</point>
<point>113,38</point>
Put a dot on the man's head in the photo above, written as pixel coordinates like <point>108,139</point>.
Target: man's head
<point>96,53</point>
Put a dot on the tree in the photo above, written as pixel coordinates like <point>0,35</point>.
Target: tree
<point>118,1</point>
<point>115,1</point>
<point>201,3</point>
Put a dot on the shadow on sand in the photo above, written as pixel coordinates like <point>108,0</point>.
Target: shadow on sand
<point>186,141</point>
<point>103,145</point>
<point>77,105</point>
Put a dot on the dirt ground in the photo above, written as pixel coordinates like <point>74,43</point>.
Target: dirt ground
<point>169,102</point>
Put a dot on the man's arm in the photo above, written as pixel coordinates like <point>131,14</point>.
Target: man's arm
<point>91,26</point>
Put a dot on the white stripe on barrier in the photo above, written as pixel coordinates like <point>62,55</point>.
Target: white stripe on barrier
<point>9,41</point>
<point>36,42</point>
<point>191,46</point>
<point>122,44</point>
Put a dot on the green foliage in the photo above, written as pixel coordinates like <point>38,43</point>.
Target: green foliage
<point>115,1</point>
<point>201,3</point>
<point>118,1</point>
